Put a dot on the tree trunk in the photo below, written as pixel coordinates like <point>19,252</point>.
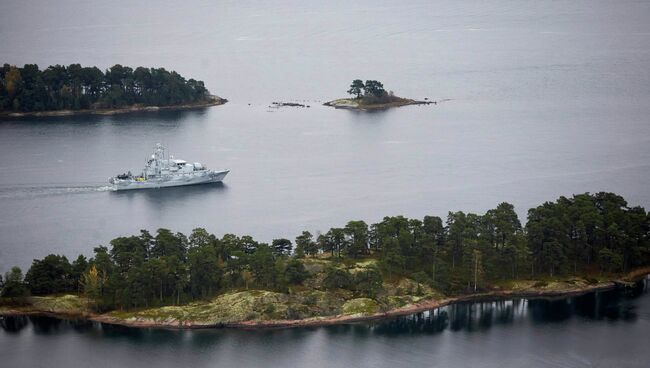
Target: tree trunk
<point>433,271</point>
<point>475,271</point>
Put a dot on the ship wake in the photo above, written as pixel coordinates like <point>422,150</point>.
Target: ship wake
<point>48,190</point>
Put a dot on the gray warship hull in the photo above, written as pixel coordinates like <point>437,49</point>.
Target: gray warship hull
<point>177,180</point>
<point>162,170</point>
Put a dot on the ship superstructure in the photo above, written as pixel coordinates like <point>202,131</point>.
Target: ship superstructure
<point>162,170</point>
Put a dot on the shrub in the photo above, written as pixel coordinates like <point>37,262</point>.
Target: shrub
<point>295,272</point>
<point>336,278</point>
<point>368,282</point>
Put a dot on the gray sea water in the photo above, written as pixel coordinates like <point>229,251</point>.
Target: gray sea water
<point>543,98</point>
<point>546,98</point>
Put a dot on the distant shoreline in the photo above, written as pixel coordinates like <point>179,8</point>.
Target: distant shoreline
<point>425,305</point>
<point>211,101</point>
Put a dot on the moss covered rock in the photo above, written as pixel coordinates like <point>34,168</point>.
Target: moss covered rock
<point>59,304</point>
<point>62,304</point>
<point>227,308</point>
<point>360,306</point>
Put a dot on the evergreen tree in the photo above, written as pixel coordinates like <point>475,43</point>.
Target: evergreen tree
<point>281,247</point>
<point>14,286</point>
<point>356,88</point>
<point>75,87</point>
<point>51,275</point>
<point>583,234</point>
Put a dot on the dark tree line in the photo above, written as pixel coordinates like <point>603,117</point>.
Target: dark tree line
<point>580,235</point>
<point>75,87</point>
<point>371,92</point>
<point>371,87</point>
<point>583,235</point>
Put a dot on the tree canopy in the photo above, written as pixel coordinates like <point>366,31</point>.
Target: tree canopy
<point>74,87</point>
<point>371,92</point>
<point>581,235</point>
<point>371,89</point>
<point>356,88</point>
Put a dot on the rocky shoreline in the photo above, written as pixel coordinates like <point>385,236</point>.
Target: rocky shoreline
<point>212,101</point>
<point>424,305</point>
<point>346,319</point>
<point>352,104</point>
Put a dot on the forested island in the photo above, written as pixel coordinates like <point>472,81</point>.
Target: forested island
<point>359,271</point>
<point>60,90</point>
<point>371,95</point>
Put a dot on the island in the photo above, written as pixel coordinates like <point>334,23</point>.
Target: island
<point>75,90</point>
<point>371,95</point>
<point>398,266</point>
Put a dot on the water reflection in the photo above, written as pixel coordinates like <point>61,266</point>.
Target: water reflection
<point>612,305</point>
<point>147,117</point>
<point>164,197</point>
<point>13,324</point>
<point>156,116</point>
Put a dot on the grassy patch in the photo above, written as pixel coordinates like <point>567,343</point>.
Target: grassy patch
<point>59,303</point>
<point>362,306</point>
<point>226,308</point>
<point>315,265</point>
<point>65,304</point>
<point>345,102</point>
<point>400,301</point>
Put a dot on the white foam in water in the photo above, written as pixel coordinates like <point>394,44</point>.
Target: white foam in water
<point>20,192</point>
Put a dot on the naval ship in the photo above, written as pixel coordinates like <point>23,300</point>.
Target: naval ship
<point>163,170</point>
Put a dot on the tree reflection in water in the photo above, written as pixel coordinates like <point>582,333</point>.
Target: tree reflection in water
<point>479,316</point>
<point>13,324</point>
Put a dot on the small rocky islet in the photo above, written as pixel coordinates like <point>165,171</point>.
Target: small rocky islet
<point>371,95</point>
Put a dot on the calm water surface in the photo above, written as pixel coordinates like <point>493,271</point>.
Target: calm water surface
<point>546,98</point>
<point>607,329</point>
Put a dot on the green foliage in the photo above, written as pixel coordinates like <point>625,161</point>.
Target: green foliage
<point>305,245</point>
<point>51,275</point>
<point>75,87</point>
<point>465,253</point>
<point>262,266</point>
<point>368,282</point>
<point>335,241</point>
<point>281,247</point>
<point>371,92</point>
<point>167,244</point>
<point>356,88</point>
<point>357,238</point>
<point>336,278</point>
<point>392,260</point>
<point>363,306</point>
<point>295,272</point>
<point>610,261</point>
<point>79,266</point>
<point>574,234</point>
<point>14,286</point>
<point>92,283</point>
<point>205,266</point>
<point>374,88</point>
